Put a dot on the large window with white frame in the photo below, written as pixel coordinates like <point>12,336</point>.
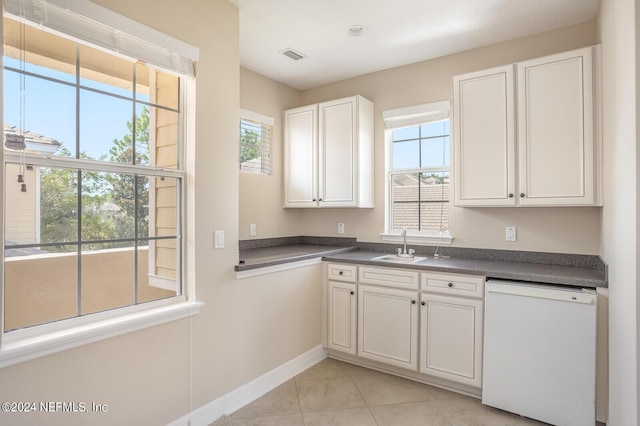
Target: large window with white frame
<point>93,167</point>
<point>418,172</point>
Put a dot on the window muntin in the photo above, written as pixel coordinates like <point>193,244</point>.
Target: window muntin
<point>256,133</point>
<point>99,220</point>
<point>419,178</point>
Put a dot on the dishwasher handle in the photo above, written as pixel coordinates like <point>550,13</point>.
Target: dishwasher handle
<point>515,288</point>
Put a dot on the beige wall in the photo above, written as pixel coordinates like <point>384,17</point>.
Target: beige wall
<point>618,26</point>
<point>246,327</point>
<point>260,195</point>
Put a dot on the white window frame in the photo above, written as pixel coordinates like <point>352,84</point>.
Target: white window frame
<point>263,120</point>
<point>25,344</point>
<point>406,117</point>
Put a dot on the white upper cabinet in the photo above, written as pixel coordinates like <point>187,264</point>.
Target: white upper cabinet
<point>484,137</point>
<point>555,158</point>
<point>329,154</point>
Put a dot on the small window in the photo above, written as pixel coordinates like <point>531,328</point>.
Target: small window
<point>256,133</point>
<point>418,167</point>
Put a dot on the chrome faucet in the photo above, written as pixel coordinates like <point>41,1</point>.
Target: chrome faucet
<point>402,252</point>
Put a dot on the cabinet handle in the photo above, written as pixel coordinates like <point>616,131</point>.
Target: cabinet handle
<point>319,199</point>
<point>510,195</point>
<point>413,301</point>
<point>340,273</point>
<point>450,285</point>
<point>522,195</point>
<point>352,293</point>
<point>423,303</point>
<point>313,199</point>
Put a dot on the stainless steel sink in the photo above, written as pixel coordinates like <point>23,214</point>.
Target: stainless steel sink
<point>398,259</point>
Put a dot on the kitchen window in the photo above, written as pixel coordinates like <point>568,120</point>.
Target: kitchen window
<point>418,173</point>
<point>94,136</point>
<point>256,132</point>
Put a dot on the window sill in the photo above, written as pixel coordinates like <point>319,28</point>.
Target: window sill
<point>31,343</point>
<point>445,239</point>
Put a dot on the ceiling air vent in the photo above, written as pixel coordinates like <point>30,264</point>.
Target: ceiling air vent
<point>296,56</point>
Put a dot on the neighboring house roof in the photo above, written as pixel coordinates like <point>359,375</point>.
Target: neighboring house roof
<point>434,205</point>
<point>35,142</point>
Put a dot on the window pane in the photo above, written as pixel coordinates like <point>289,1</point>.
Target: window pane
<point>439,128</point>
<point>142,135</point>
<point>42,53</point>
<point>163,225</point>
<point>105,127</point>
<point>58,209</point>
<point>420,201</point>
<point>107,206</point>
<point>405,201</point>
<point>49,114</point>
<point>406,154</point>
<point>40,288</point>
<point>405,133</point>
<point>163,138</point>
<point>167,87</point>
<point>105,72</point>
<point>150,276</point>
<point>107,276</point>
<point>435,152</point>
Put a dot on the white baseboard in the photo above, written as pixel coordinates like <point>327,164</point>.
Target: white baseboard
<point>251,391</point>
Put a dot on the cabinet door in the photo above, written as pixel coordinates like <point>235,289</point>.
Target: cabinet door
<point>484,144</point>
<point>388,325</point>
<point>555,130</point>
<point>337,132</point>
<point>300,162</point>
<point>451,338</point>
<point>342,317</point>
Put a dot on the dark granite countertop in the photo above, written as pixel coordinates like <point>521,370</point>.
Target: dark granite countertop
<point>520,271</point>
<point>552,268</point>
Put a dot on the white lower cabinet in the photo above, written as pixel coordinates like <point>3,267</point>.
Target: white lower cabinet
<point>342,317</point>
<point>451,338</point>
<point>388,325</point>
<point>428,323</point>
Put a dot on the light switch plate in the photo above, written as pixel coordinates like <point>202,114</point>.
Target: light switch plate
<point>218,239</point>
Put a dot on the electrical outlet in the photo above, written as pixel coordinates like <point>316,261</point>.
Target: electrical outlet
<point>252,229</point>
<point>511,233</point>
<point>341,228</point>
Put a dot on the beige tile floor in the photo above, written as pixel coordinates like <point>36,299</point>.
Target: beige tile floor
<point>337,393</point>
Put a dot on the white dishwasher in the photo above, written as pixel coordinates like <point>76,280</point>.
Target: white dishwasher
<point>540,351</point>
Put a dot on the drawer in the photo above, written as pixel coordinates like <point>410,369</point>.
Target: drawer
<point>389,277</point>
<point>453,284</point>
<point>342,272</point>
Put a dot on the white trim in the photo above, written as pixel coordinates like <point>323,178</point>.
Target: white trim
<point>24,345</point>
<point>251,391</point>
<point>438,239</point>
<point>257,117</point>
<point>277,268</point>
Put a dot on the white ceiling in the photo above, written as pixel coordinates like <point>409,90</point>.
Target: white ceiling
<point>398,32</point>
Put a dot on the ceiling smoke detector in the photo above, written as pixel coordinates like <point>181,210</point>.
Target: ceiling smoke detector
<point>296,56</point>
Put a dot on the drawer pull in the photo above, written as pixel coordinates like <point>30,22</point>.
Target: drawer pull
<point>340,273</point>
<point>352,293</point>
<point>413,301</point>
<point>450,285</point>
<point>423,303</point>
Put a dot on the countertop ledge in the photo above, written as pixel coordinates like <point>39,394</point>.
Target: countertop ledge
<point>572,270</point>
<point>498,269</point>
